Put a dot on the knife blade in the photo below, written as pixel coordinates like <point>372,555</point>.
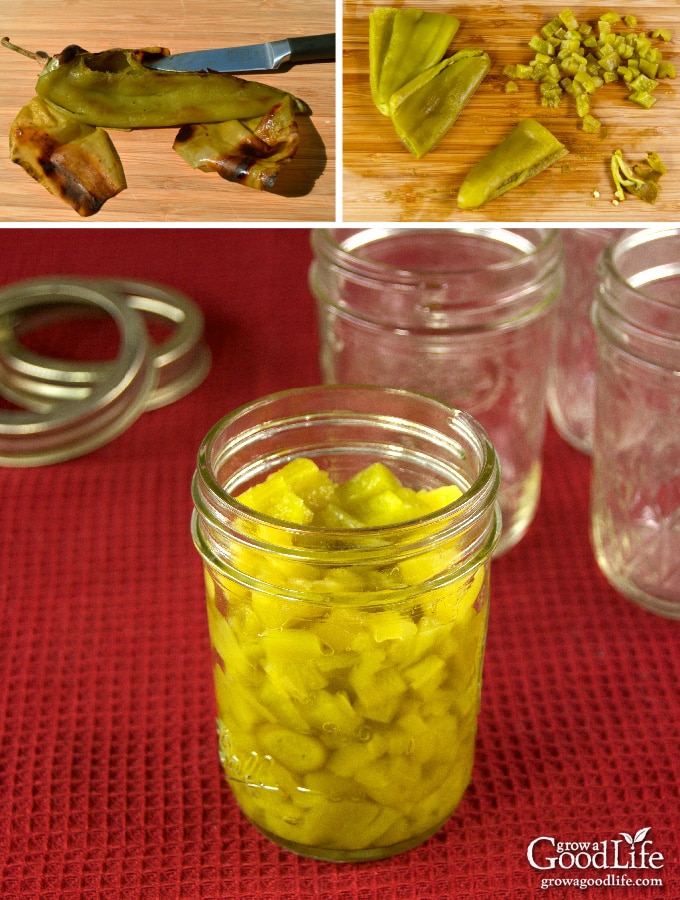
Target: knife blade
<point>252,58</point>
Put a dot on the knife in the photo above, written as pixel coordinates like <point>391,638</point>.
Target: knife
<point>251,58</point>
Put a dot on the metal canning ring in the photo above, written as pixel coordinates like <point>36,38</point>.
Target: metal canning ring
<point>32,437</point>
<point>182,360</point>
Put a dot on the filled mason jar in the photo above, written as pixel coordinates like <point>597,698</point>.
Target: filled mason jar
<point>461,314</point>
<point>347,656</point>
<point>635,503</point>
<point>571,381</point>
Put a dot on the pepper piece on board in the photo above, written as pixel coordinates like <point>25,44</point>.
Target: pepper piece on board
<point>114,89</point>
<point>402,44</point>
<point>77,163</point>
<point>425,108</point>
<point>639,180</point>
<point>251,152</point>
<point>527,150</point>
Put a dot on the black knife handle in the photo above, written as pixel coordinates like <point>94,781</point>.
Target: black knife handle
<point>311,47</point>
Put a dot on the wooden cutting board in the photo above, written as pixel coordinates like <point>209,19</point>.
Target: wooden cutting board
<point>161,186</point>
<point>383,182</point>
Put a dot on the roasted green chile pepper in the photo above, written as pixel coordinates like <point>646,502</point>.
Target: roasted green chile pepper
<point>402,44</point>
<point>76,162</point>
<point>250,152</point>
<point>527,150</point>
<point>114,89</point>
<point>425,108</point>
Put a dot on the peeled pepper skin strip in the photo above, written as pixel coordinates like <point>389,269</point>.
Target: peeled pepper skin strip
<point>75,162</point>
<point>527,150</point>
<point>250,152</point>
<point>428,106</point>
<point>114,89</point>
<point>402,44</point>
<point>640,180</point>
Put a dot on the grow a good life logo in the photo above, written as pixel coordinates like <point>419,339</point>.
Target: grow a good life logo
<point>626,861</point>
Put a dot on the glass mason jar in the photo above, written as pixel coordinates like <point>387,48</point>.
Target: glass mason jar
<point>461,314</point>
<point>347,661</point>
<point>571,380</point>
<point>635,504</point>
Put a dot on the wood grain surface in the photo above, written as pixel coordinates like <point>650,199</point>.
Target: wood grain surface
<point>161,186</point>
<point>383,182</point>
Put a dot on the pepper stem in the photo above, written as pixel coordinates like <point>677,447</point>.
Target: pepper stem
<point>38,55</point>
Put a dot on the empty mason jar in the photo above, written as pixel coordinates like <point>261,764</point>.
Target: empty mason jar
<point>462,314</point>
<point>635,506</point>
<point>347,660</point>
<point>571,382</point>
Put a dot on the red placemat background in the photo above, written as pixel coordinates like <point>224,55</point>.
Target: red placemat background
<point>110,784</point>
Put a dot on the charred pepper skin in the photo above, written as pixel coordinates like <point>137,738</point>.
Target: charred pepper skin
<point>527,150</point>
<point>76,162</point>
<point>251,152</point>
<point>428,106</point>
<point>403,43</point>
<point>114,89</point>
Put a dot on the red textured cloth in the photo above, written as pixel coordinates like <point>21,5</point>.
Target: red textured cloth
<point>110,784</point>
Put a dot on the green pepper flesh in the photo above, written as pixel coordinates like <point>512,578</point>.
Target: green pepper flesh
<point>403,43</point>
<point>527,150</point>
<point>428,106</point>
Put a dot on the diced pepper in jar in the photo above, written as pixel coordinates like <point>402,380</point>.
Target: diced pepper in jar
<point>345,727</point>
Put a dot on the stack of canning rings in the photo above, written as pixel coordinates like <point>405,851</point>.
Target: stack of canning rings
<point>69,408</point>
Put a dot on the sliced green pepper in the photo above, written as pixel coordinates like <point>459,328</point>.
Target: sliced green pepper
<point>250,152</point>
<point>526,151</point>
<point>402,44</point>
<point>77,163</point>
<point>114,89</point>
<point>425,108</point>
